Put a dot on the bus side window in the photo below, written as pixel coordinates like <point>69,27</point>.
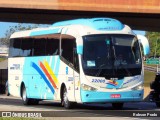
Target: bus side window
<point>68,46</point>
<point>52,46</point>
<point>15,47</point>
<point>39,47</point>
<point>26,46</point>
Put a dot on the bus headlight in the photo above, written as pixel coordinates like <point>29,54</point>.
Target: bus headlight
<point>139,87</point>
<point>87,87</point>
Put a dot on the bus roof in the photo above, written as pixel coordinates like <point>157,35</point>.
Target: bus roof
<point>100,24</point>
<point>36,32</point>
<point>104,24</point>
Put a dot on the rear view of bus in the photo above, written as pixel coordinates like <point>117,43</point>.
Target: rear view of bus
<point>95,60</point>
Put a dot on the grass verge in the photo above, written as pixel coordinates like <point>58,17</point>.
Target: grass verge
<point>148,77</point>
<point>2,59</point>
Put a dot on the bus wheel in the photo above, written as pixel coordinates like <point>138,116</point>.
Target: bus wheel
<point>26,101</point>
<point>34,101</point>
<point>117,105</point>
<point>158,104</point>
<point>65,102</point>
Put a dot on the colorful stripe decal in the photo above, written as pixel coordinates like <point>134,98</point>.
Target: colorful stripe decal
<point>51,72</point>
<point>48,74</point>
<point>112,83</point>
<point>43,76</point>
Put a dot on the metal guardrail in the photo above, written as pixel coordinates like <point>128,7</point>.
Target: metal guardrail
<point>149,68</point>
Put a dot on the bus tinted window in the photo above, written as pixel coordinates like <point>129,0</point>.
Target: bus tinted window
<point>15,47</point>
<point>26,47</point>
<point>39,47</point>
<point>52,46</point>
<point>22,47</point>
<point>68,46</point>
<point>43,46</point>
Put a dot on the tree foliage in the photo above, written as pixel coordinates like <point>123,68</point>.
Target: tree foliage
<point>154,42</point>
<point>12,29</point>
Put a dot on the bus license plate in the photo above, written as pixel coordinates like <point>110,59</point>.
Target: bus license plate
<point>115,96</point>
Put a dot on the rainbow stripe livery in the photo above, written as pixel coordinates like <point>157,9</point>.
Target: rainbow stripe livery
<point>112,83</point>
<point>47,74</point>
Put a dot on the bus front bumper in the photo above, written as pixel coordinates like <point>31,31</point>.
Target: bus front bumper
<point>104,97</point>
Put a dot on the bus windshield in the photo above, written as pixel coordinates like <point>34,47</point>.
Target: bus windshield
<point>111,55</point>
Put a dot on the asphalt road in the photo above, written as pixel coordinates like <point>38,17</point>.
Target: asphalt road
<point>53,109</point>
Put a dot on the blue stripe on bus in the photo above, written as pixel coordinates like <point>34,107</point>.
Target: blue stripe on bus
<point>43,76</point>
<point>45,32</point>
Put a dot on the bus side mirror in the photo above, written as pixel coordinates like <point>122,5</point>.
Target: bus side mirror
<point>145,44</point>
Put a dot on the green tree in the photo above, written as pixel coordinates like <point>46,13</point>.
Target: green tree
<point>154,42</point>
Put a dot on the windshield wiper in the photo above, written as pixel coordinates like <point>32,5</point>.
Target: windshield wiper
<point>105,61</point>
<point>100,70</point>
<point>102,65</point>
<point>122,66</point>
<point>108,58</point>
<point>114,57</point>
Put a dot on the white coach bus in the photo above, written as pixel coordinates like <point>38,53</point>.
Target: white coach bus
<point>96,60</point>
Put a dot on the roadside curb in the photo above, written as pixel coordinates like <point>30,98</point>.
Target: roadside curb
<point>4,96</point>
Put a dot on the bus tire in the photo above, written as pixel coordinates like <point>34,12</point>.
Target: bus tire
<point>34,101</point>
<point>117,105</point>
<point>65,102</point>
<point>26,101</point>
<point>158,104</point>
